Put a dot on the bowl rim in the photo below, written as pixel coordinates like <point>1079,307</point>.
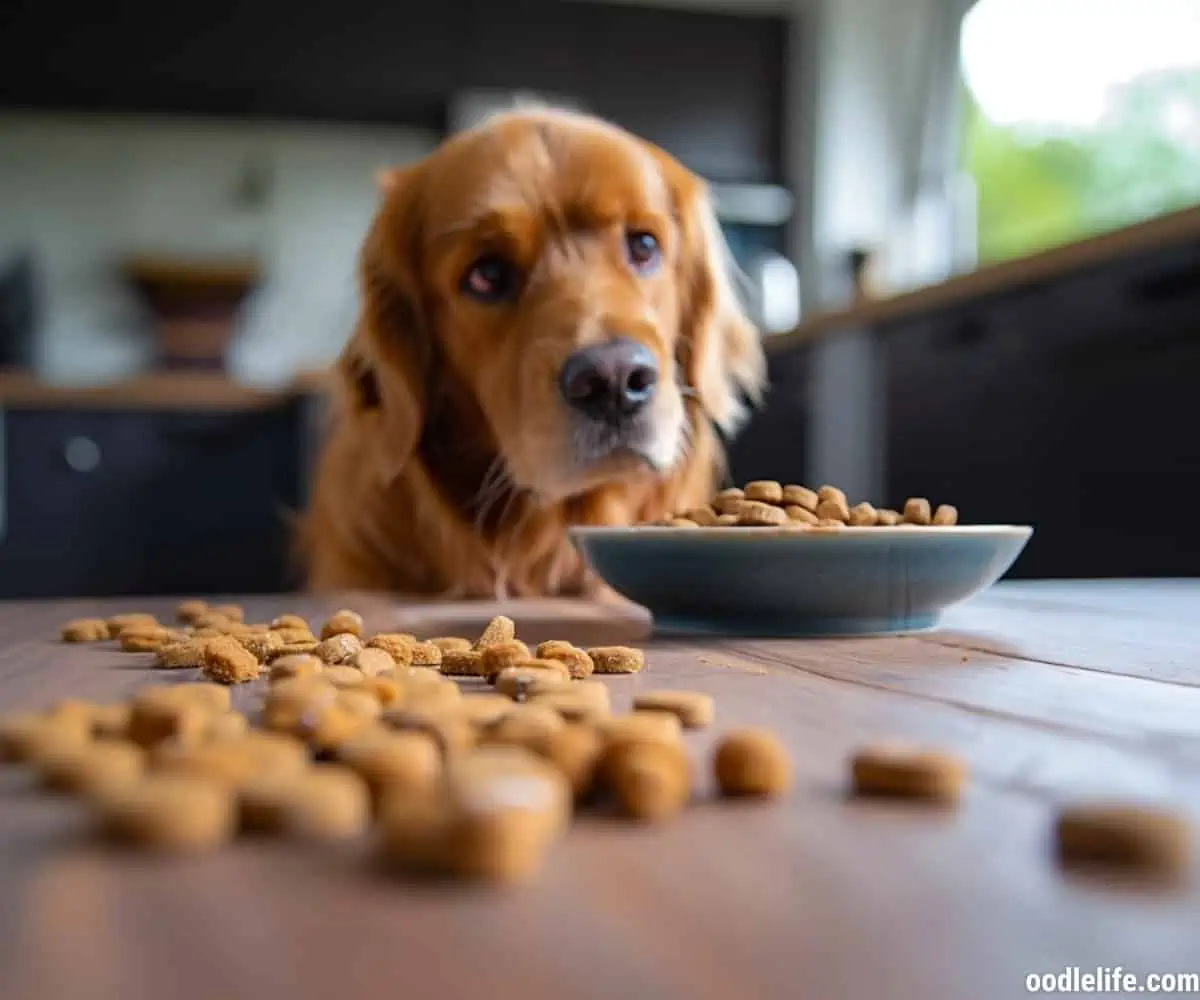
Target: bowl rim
<point>810,534</point>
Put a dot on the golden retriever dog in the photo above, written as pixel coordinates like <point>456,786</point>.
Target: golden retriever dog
<point>549,336</point>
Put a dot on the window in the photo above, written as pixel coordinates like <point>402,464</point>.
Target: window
<point>1081,116</point>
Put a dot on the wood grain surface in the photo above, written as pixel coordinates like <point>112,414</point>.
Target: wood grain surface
<point>1052,692</point>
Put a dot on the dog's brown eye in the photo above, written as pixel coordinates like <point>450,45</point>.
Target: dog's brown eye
<point>644,252</point>
<point>490,279</point>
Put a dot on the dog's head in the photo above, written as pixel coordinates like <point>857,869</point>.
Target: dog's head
<point>572,281</point>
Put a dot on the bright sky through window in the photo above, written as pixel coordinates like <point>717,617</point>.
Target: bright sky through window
<point>1052,63</point>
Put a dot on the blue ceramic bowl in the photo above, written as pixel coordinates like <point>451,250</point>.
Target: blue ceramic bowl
<point>768,582</point>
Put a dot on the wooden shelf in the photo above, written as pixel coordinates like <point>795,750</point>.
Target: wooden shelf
<point>1175,228</point>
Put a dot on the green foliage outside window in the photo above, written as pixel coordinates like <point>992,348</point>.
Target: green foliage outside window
<point>1038,190</point>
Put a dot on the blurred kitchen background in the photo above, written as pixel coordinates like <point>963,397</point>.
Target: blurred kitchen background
<point>970,228</point>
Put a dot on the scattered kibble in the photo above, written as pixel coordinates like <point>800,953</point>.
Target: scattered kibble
<point>474,786</point>
<point>462,663</point>
<point>1124,836</point>
<point>85,630</point>
<point>189,611</point>
<point>169,812</point>
<point>499,629</point>
<point>226,661</point>
<point>499,656</point>
<point>752,762</point>
<point>343,623</point>
<point>694,708</point>
<point>617,659</point>
<point>339,648</point>
<point>651,780</point>
<point>912,772</point>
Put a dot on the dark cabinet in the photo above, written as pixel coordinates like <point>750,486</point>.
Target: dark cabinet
<point>1072,406</point>
<point>106,502</point>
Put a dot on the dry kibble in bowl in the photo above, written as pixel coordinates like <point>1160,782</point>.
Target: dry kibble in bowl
<point>800,496</point>
<point>916,511</point>
<point>946,515</point>
<point>765,490</point>
<point>756,514</point>
<point>765,503</point>
<point>833,509</point>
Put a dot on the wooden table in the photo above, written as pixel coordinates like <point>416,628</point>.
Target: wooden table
<point>1052,692</point>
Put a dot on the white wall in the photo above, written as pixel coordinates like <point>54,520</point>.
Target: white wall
<point>86,190</point>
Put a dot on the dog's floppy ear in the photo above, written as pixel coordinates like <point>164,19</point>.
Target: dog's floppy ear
<point>720,350</point>
<point>387,366</point>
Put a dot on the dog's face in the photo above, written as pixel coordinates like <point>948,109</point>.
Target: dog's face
<point>572,279</point>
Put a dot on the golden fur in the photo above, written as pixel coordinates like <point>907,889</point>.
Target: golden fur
<point>450,468</point>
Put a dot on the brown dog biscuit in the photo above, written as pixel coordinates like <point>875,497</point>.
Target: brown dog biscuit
<point>752,762</point>
<point>500,656</point>
<point>338,649</point>
<point>344,622</point>
<point>373,661</point>
<point>903,771</point>
<point>863,515</point>
<point>1124,836</point>
<point>945,516</point>
<point>577,661</point>
<point>85,630</point>
<point>169,812</point>
<point>398,645</point>
<point>295,665</point>
<point>462,663</point>
<point>499,629</point>
<point>694,708</point>
<point>764,490</point>
<point>651,781</point>
<point>226,661</point>
<point>617,659</point>
<point>755,514</point>
<point>290,622</point>
<point>425,654</point>
<point>916,511</point>
<point>189,611</point>
<point>90,768</point>
<point>800,496</point>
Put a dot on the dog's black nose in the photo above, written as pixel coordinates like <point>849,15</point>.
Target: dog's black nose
<point>611,380</point>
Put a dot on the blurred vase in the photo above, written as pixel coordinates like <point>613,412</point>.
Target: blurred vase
<point>195,305</point>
